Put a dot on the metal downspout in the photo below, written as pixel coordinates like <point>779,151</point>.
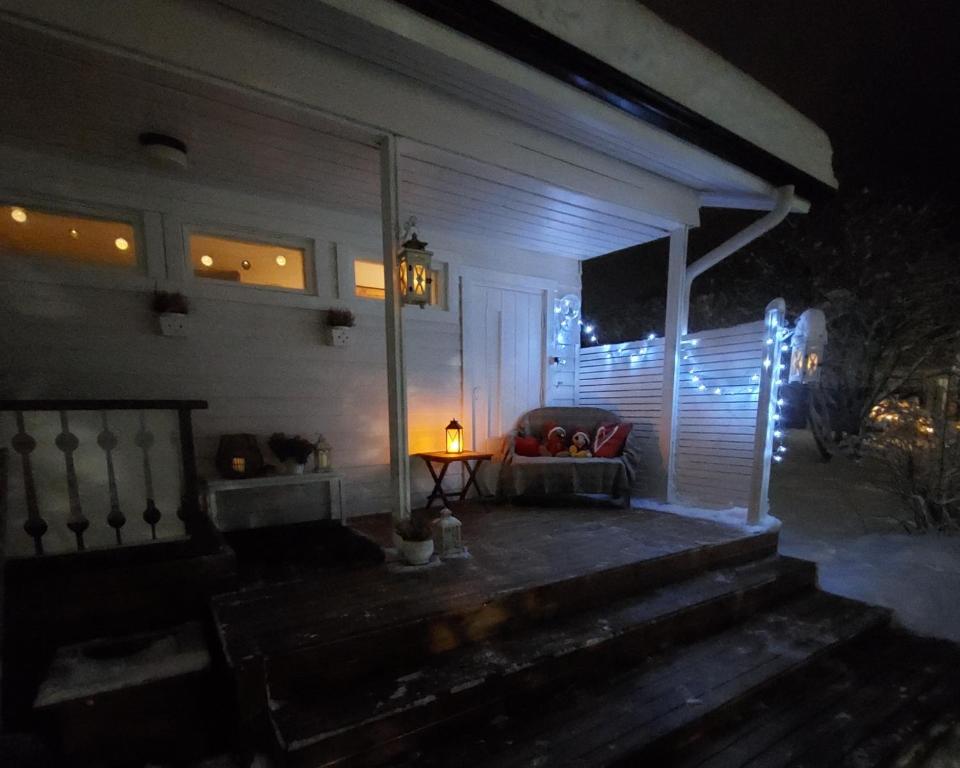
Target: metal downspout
<point>783,206</point>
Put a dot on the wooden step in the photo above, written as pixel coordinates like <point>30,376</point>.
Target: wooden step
<point>338,647</point>
<point>316,728</point>
<point>641,714</point>
<point>863,707</point>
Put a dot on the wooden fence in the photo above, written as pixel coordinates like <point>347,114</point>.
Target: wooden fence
<point>719,380</point>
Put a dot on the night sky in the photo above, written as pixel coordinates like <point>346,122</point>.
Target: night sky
<point>881,77</point>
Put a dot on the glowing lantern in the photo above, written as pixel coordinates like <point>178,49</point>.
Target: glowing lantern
<point>807,346</point>
<point>454,434</point>
<point>416,281</point>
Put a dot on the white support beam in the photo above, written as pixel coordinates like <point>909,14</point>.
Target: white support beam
<point>672,337</point>
<point>396,375</point>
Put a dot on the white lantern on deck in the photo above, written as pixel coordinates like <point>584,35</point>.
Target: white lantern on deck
<point>447,539</point>
<point>807,347</point>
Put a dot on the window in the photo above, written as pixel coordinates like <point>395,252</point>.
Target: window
<point>250,263</point>
<point>368,281</point>
<point>67,237</point>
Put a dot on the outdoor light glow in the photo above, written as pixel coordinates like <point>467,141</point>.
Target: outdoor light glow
<point>766,362</point>
<point>281,260</point>
<point>755,377</point>
<point>780,402</point>
<point>702,387</point>
<point>716,391</point>
<point>695,379</point>
<point>777,433</point>
<point>769,341</point>
<point>18,215</point>
<point>588,329</point>
<point>74,234</point>
<point>593,339</point>
<point>778,459</point>
<point>206,260</point>
<point>121,243</point>
<point>651,337</point>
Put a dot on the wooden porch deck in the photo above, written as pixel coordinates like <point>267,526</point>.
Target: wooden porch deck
<point>513,551</point>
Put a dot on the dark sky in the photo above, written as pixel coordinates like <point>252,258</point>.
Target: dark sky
<point>882,77</point>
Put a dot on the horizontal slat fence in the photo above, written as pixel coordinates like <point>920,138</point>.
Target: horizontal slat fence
<point>627,379</point>
<point>719,379</point>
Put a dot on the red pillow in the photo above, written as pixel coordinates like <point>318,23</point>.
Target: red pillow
<point>526,446</point>
<point>610,439</point>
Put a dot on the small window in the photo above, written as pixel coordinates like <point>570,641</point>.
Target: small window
<point>368,281</point>
<point>67,237</point>
<point>368,277</point>
<point>247,262</point>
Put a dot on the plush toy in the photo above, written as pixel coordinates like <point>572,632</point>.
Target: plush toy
<point>580,445</point>
<point>555,441</point>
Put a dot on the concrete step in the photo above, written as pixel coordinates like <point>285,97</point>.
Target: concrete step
<point>379,717</point>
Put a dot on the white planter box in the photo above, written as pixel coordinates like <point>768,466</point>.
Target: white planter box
<point>173,324</point>
<point>339,335</point>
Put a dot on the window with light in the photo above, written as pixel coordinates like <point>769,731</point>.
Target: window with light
<point>67,237</point>
<point>227,259</point>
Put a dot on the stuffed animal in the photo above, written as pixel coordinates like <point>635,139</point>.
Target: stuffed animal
<point>555,442</point>
<point>580,445</point>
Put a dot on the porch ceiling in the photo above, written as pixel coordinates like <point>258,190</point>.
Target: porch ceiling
<point>84,102</point>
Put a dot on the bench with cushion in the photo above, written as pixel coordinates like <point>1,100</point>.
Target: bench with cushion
<point>552,476</point>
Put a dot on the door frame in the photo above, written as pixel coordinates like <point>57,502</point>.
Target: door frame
<point>477,277</point>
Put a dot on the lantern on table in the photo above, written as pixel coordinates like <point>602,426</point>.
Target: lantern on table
<point>321,454</point>
<point>447,537</point>
<point>239,456</point>
<point>416,280</point>
<point>454,435</point>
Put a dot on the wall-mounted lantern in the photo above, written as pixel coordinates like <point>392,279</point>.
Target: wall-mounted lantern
<point>416,280</point>
<point>454,435</point>
<point>807,347</point>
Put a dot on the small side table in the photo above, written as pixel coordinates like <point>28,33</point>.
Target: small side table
<point>445,460</point>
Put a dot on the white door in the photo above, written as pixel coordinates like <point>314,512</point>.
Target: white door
<point>503,358</point>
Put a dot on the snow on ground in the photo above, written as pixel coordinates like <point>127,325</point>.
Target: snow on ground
<point>834,513</point>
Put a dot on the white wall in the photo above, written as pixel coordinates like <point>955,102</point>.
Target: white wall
<point>256,355</point>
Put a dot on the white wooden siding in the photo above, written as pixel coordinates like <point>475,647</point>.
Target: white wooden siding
<point>257,356</point>
<point>717,411</point>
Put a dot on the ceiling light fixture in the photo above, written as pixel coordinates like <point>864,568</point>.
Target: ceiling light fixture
<point>18,215</point>
<point>281,260</point>
<point>206,260</point>
<point>121,243</point>
<point>164,150</point>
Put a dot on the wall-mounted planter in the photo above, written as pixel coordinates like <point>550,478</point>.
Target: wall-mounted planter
<point>173,323</point>
<point>339,335</point>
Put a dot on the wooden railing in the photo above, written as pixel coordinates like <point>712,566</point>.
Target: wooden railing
<point>137,443</point>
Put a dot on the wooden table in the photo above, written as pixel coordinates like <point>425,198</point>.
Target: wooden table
<point>445,459</point>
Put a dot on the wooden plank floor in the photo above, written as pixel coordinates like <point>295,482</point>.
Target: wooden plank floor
<point>511,548</point>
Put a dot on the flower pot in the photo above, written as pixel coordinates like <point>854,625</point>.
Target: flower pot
<point>339,335</point>
<point>172,323</point>
<point>416,552</point>
<point>293,468</point>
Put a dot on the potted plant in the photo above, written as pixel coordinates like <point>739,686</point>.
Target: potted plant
<point>339,323</point>
<point>171,309</point>
<point>416,541</point>
<point>292,451</point>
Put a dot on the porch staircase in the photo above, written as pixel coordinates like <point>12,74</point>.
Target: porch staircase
<point>664,665</point>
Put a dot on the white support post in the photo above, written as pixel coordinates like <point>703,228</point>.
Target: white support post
<point>672,337</point>
<point>770,371</point>
<point>396,376</point>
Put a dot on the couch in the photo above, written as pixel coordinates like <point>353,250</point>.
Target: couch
<point>540,476</point>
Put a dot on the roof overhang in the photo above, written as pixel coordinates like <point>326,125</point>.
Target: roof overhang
<point>600,48</point>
